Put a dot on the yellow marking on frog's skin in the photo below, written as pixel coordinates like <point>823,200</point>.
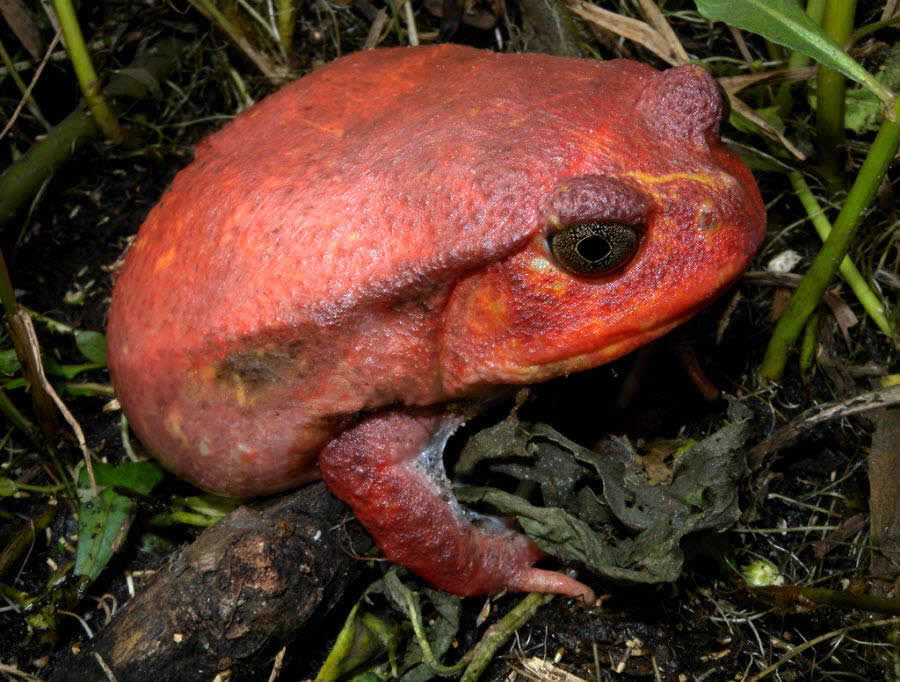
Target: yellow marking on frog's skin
<point>538,264</point>
<point>172,423</point>
<point>488,312</point>
<point>240,393</point>
<point>165,260</point>
<point>203,448</point>
<point>713,180</point>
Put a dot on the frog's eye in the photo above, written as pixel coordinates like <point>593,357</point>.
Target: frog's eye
<point>594,249</point>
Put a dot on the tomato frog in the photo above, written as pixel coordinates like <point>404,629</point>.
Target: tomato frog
<point>350,262</point>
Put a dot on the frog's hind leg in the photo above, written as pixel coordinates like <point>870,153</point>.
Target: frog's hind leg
<point>388,468</point>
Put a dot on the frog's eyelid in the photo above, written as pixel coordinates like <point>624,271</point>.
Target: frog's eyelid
<point>597,198</point>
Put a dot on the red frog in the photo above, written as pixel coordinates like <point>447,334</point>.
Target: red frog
<point>347,263</point>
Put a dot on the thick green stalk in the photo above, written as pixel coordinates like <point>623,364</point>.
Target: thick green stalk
<point>864,294</point>
<point>823,268</point>
<point>21,180</point>
<point>84,70</point>
<point>287,18</point>
<point>830,89</point>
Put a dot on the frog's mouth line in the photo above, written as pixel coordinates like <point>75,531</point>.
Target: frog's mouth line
<point>530,374</point>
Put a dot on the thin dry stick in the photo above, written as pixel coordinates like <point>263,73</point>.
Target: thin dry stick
<point>821,638</point>
<point>34,80</point>
<point>277,665</point>
<point>632,29</point>
<point>110,675</point>
<point>658,21</point>
<point>375,30</point>
<point>32,339</point>
<point>882,397</point>
<point>411,30</point>
<point>741,45</point>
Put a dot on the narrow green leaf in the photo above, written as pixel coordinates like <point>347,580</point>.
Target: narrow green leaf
<point>9,363</point>
<point>103,519</point>
<point>68,372</point>
<point>92,346</point>
<point>784,22</point>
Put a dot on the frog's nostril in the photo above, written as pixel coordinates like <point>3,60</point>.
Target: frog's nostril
<point>707,221</point>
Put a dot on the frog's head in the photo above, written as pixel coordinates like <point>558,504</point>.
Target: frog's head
<point>643,235</point>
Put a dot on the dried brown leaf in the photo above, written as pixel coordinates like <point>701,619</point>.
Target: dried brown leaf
<point>23,24</point>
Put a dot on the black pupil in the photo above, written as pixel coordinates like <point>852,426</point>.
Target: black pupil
<point>593,248</point>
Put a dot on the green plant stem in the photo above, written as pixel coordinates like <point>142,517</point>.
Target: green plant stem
<point>808,343</point>
<point>815,9</point>
<point>500,632</point>
<point>431,661</point>
<point>830,88</point>
<point>19,420</point>
<point>84,70</point>
<point>864,294</point>
<point>287,15</point>
<point>826,263</point>
<point>7,293</point>
<point>24,536</point>
<point>863,31</point>
<point>797,594</point>
<point>22,179</point>
<point>42,489</point>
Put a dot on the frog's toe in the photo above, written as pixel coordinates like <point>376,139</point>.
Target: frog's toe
<point>540,580</point>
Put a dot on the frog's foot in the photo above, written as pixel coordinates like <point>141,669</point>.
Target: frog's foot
<point>388,468</point>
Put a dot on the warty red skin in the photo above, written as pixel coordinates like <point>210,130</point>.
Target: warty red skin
<point>372,238</point>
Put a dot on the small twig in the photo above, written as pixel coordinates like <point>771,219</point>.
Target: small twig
<point>632,29</point>
<point>110,675</point>
<point>500,632</point>
<point>410,19</point>
<point>883,397</point>
<point>818,640</point>
<point>24,320</point>
<point>866,297</point>
<point>277,664</point>
<point>34,80</point>
<point>658,21</point>
<point>376,29</point>
<point>259,59</point>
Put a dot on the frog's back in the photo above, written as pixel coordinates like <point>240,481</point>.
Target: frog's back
<point>373,176</point>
